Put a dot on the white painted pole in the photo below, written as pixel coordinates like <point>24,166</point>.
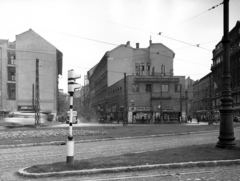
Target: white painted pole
<point>71,88</point>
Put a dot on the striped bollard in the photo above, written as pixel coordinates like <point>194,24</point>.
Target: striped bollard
<point>72,85</point>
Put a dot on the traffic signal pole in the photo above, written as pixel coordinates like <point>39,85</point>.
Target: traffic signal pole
<point>72,76</point>
<point>37,101</point>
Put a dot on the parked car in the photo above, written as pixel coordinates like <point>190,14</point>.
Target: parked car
<point>24,119</point>
<point>236,119</point>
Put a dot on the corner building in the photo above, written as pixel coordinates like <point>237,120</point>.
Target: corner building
<point>150,79</point>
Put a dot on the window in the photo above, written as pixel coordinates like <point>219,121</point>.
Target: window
<point>148,67</point>
<point>142,67</point>
<point>11,91</point>
<point>177,87</point>
<point>11,57</point>
<point>164,87</point>
<point>135,87</point>
<point>137,69</point>
<point>148,87</point>
<point>11,74</point>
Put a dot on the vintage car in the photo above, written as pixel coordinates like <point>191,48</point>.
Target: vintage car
<point>24,119</point>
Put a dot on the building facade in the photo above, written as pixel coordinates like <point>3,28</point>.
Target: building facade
<point>202,96</point>
<point>146,69</point>
<point>18,72</point>
<point>148,97</point>
<point>189,96</point>
<point>217,70</point>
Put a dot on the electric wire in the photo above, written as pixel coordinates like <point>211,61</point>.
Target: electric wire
<point>99,41</point>
<point>197,45</point>
<point>193,17</point>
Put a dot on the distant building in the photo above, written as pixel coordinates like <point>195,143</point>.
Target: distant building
<point>189,96</point>
<point>18,72</point>
<point>217,70</point>
<point>202,96</point>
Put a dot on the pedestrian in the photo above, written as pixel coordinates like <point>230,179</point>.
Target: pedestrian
<point>142,119</point>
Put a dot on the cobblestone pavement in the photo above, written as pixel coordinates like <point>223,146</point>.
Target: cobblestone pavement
<point>15,158</point>
<point>21,134</point>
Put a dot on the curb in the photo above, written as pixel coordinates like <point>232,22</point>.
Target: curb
<point>97,140</point>
<point>215,163</point>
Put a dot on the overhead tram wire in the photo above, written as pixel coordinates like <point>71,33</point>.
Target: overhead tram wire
<point>145,51</point>
<point>193,17</point>
<point>194,45</point>
<point>118,24</point>
<point>174,39</point>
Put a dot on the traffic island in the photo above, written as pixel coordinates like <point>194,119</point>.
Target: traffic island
<point>182,157</point>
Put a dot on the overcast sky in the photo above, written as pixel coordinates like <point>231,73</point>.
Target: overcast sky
<point>83,30</point>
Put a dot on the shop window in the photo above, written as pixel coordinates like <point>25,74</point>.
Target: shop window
<point>148,87</point>
<point>11,74</point>
<point>11,91</point>
<point>135,87</point>
<point>165,88</point>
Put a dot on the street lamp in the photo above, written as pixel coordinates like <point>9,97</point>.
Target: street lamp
<point>226,135</point>
<point>180,116</point>
<point>132,102</point>
<point>162,73</point>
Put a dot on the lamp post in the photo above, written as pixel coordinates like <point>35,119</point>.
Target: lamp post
<point>180,116</point>
<point>132,102</point>
<point>162,73</point>
<point>226,135</point>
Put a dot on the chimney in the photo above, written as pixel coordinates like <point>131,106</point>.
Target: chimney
<point>150,42</point>
<point>128,43</point>
<point>137,45</point>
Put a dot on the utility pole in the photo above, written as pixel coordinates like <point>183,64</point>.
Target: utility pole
<point>180,116</point>
<point>125,119</point>
<point>161,111</point>
<point>84,94</point>
<point>226,134</point>
<point>37,102</point>
<point>33,97</point>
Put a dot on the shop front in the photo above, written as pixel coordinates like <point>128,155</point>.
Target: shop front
<point>139,114</point>
<point>169,114</point>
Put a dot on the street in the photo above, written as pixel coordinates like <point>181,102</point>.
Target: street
<point>16,158</point>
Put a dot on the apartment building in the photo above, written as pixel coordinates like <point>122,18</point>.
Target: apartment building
<point>217,70</point>
<point>202,96</point>
<point>18,72</point>
<point>147,67</point>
